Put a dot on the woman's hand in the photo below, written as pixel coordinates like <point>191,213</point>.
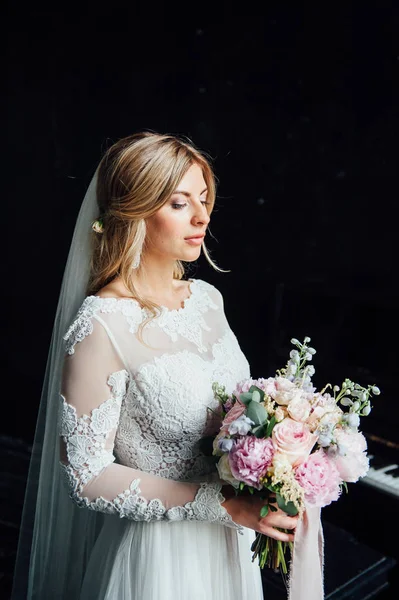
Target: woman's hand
<point>245,510</point>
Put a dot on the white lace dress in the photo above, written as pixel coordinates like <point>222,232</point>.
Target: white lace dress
<point>131,419</point>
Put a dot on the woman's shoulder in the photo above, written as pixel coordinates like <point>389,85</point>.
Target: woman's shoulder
<point>97,313</point>
<point>206,285</point>
<point>211,290</point>
<point>111,290</point>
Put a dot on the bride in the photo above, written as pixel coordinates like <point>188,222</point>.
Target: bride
<point>120,502</point>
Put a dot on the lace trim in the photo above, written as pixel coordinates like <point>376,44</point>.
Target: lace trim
<point>129,504</point>
<point>181,322</point>
<point>177,322</point>
<point>85,437</point>
<point>206,506</point>
<point>81,327</point>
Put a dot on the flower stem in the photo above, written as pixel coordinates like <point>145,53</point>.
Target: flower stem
<point>270,552</point>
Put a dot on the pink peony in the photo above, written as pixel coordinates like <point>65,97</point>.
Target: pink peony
<point>351,460</point>
<point>352,466</point>
<point>293,440</point>
<point>267,385</point>
<point>250,458</point>
<point>319,477</point>
<point>350,441</point>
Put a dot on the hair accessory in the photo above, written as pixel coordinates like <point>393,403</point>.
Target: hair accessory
<point>98,226</point>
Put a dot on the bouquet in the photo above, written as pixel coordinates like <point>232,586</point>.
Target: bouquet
<point>290,444</point>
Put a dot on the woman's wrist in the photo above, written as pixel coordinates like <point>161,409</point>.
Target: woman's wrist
<point>228,492</point>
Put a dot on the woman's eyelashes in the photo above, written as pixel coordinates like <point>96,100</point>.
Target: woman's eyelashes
<point>179,205</point>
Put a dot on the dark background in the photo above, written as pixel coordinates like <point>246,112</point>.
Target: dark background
<point>297,103</point>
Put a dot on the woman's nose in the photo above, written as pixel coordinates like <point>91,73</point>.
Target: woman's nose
<point>201,216</point>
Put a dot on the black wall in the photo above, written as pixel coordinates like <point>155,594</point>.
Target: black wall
<point>298,107</point>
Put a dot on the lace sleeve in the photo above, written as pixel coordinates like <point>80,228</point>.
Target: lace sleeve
<point>91,395</point>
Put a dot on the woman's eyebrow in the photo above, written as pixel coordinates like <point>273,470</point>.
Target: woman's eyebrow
<point>188,193</point>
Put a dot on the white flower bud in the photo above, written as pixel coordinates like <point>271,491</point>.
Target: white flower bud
<point>311,351</point>
<point>336,388</point>
<point>352,419</point>
<point>294,354</point>
<point>98,226</point>
<point>295,342</point>
<point>307,340</point>
<point>308,356</point>
<point>355,406</point>
<point>324,440</point>
<point>376,390</point>
<point>366,410</point>
<point>346,402</point>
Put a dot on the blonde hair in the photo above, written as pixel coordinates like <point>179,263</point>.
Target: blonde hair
<point>136,176</point>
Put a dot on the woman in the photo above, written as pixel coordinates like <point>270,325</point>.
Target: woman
<point>141,513</point>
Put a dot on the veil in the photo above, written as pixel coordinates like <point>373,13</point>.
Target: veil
<point>56,536</point>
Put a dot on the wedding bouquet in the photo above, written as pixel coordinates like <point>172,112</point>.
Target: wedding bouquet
<point>288,443</point>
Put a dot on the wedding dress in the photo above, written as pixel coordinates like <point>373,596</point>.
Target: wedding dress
<point>132,415</point>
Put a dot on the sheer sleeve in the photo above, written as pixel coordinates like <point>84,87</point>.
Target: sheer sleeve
<point>94,384</point>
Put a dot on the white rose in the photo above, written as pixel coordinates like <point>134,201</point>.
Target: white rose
<point>286,391</point>
<point>224,470</point>
<point>299,408</point>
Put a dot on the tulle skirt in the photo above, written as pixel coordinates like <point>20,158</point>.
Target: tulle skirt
<point>162,560</point>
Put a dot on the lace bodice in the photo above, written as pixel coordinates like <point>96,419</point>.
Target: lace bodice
<point>132,414</point>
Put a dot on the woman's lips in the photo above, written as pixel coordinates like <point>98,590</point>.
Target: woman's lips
<point>195,241</point>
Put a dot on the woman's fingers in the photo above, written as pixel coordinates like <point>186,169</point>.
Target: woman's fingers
<point>289,522</point>
<point>281,520</point>
<point>277,535</point>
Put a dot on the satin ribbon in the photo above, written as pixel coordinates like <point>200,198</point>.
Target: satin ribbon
<point>307,564</point>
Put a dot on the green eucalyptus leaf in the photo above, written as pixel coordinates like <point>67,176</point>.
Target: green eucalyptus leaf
<point>287,507</point>
<point>259,431</point>
<point>257,413</point>
<point>246,398</point>
<point>254,388</point>
<point>264,511</point>
<point>255,396</point>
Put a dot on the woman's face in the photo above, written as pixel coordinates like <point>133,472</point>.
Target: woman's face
<point>177,229</point>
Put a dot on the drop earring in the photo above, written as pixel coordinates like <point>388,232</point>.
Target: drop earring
<point>136,262</point>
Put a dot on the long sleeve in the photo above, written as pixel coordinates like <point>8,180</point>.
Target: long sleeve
<point>94,384</point>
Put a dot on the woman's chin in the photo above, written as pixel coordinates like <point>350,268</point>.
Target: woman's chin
<point>190,256</point>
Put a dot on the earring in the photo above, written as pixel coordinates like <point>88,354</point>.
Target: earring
<point>136,262</point>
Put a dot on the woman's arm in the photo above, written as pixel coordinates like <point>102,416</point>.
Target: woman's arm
<point>93,386</point>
